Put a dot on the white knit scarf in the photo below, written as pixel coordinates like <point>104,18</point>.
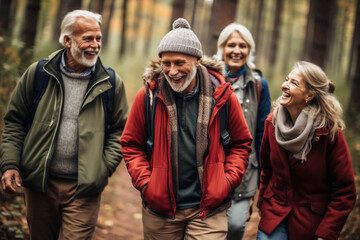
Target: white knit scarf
<point>295,138</point>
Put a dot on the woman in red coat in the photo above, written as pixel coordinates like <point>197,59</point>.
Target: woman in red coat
<point>307,187</point>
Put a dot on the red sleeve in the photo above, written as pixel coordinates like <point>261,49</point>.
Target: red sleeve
<point>266,168</point>
<point>343,195</point>
<point>133,143</point>
<point>240,144</point>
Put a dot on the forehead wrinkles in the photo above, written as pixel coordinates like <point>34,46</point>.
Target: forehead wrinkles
<point>83,25</point>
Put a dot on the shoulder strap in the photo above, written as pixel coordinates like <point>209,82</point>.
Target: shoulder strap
<point>41,79</point>
<point>108,100</point>
<point>257,76</point>
<point>149,122</point>
<point>223,115</point>
<point>224,134</point>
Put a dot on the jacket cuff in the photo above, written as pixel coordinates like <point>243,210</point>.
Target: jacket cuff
<point>8,167</point>
<point>327,234</point>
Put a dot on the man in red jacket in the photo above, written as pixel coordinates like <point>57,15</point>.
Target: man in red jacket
<point>187,183</point>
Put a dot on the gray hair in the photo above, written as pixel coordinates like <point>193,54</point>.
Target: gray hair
<point>245,34</point>
<point>69,21</point>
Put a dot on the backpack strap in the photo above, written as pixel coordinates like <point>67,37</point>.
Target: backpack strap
<point>224,134</point>
<point>41,79</point>
<point>223,114</point>
<point>149,122</point>
<point>257,76</point>
<point>108,100</point>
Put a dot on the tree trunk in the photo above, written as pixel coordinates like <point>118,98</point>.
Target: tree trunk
<point>96,6</point>
<point>136,27</point>
<point>275,32</point>
<point>5,6</point>
<point>289,36</point>
<point>258,19</point>
<point>106,23</point>
<point>222,13</point>
<point>340,43</point>
<point>149,29</point>
<point>354,56</point>
<point>178,10</point>
<point>318,31</point>
<point>13,9</point>
<point>193,14</point>
<point>123,29</point>
<point>28,31</point>
<point>353,111</point>
<point>65,6</point>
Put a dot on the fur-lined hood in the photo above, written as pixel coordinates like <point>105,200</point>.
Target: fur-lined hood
<point>154,68</point>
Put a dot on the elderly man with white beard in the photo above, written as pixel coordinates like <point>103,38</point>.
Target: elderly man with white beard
<point>62,148</point>
<point>187,182</point>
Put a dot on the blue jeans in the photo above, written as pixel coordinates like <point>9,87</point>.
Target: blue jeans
<point>279,233</point>
<point>237,218</point>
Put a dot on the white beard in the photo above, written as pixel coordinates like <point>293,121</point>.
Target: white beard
<point>78,55</point>
<point>180,87</point>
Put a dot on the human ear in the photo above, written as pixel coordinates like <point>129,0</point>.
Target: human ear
<point>310,96</point>
<point>67,41</point>
<point>197,63</point>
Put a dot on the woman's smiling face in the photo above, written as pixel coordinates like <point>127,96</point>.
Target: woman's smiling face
<point>236,52</point>
<point>295,93</point>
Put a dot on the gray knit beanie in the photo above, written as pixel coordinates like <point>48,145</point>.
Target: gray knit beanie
<point>181,39</point>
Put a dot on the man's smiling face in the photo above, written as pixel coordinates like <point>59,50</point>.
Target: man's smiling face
<point>180,71</point>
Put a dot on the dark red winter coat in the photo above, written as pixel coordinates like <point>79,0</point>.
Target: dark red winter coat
<point>219,170</point>
<point>316,196</point>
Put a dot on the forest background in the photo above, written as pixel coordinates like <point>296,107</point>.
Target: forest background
<point>325,32</point>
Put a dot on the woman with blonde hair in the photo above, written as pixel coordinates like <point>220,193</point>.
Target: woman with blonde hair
<point>307,187</point>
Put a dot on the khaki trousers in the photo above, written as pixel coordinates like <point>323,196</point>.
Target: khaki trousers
<point>56,214</point>
<point>186,225</point>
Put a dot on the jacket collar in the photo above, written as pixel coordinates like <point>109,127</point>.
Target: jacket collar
<point>248,76</point>
<point>63,65</point>
<point>53,67</point>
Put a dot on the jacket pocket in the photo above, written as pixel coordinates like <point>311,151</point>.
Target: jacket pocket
<point>156,193</point>
<point>217,185</point>
<point>274,196</point>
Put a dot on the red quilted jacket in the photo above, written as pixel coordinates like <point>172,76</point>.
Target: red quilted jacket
<point>219,170</point>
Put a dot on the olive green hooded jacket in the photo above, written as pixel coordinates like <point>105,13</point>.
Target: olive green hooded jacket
<point>31,152</point>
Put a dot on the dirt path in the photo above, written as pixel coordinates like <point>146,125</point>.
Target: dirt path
<point>120,212</point>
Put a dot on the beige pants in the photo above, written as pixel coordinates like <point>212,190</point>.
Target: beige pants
<point>56,214</point>
<point>186,225</point>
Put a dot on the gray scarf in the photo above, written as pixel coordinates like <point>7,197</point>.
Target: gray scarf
<point>295,138</point>
<point>204,114</point>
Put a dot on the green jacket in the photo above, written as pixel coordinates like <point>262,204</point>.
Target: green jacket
<point>31,152</point>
